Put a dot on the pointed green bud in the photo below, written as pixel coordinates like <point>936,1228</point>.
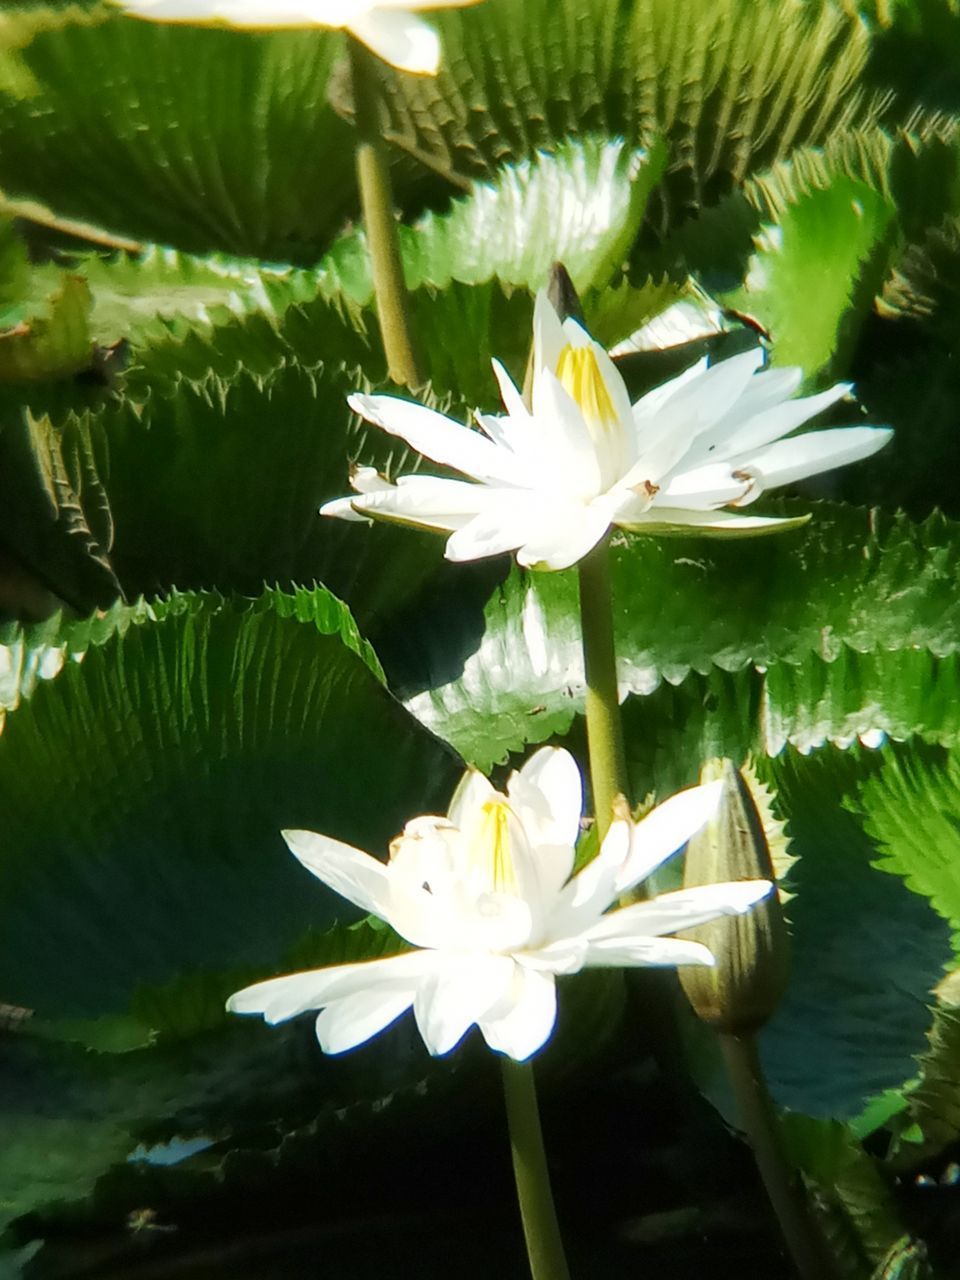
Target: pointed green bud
<point>745,986</point>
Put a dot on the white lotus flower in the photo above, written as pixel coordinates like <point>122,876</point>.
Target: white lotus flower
<point>486,897</point>
<point>549,483</point>
<point>389,27</point>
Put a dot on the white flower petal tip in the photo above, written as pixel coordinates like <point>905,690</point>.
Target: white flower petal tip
<point>665,831</point>
<point>546,482</point>
<point>399,38</point>
<point>747,893</point>
<point>344,509</point>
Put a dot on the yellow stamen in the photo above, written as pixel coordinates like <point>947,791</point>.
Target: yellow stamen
<point>490,851</point>
<point>580,376</point>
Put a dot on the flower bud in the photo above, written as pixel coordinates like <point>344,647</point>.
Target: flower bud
<point>751,951</point>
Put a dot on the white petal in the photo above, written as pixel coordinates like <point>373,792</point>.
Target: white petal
<point>461,908</point>
<point>593,888</point>
<point>461,991</point>
<point>766,389</point>
<point>472,793</point>
<point>511,397</point>
<point>564,535</point>
<point>547,796</point>
<point>704,487</point>
<point>646,952</point>
<point>816,451</point>
<point>760,429</point>
<point>436,436</point>
<point>616,388</point>
<point>563,957</point>
<point>281,998</point>
<point>241,13</point>
<point>343,509</point>
<point>685,909</point>
<point>503,526</point>
<point>668,828</point>
<point>648,407</point>
<point>362,480</point>
<point>526,1017</point>
<point>400,38</point>
<point>700,402</point>
<point>369,480</point>
<point>426,502</point>
<point>356,876</point>
<point>561,438</point>
<point>549,338</point>
<point>355,1019</point>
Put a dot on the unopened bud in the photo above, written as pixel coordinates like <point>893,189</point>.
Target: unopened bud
<point>751,951</point>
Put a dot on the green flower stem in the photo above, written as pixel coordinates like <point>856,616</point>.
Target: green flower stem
<point>376,197</point>
<point>784,1188</point>
<point>608,769</point>
<point>540,1227</point>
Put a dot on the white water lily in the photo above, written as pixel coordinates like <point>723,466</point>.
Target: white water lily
<point>549,482</point>
<point>390,28</point>
<point>486,897</point>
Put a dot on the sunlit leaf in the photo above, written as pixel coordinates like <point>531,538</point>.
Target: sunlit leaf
<point>849,580</point>
<point>813,277</point>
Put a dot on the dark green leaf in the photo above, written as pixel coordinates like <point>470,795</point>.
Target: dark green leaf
<point>145,788</point>
<point>853,1200</point>
<point>934,1102</point>
<point>205,139</point>
<point>866,951</point>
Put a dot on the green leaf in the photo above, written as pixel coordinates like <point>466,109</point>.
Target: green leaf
<point>216,482</point>
<point>853,1201</point>
<point>581,206</point>
<point>908,809</point>
<point>195,1002</point>
<point>14,273</point>
<point>849,582</point>
<point>215,160</point>
<point>51,346</point>
<point>618,314</point>
<point>732,86</point>
<point>916,51</point>
<point>38,651</point>
<point>202,138</point>
<point>122,1126</point>
<point>160,292</point>
<point>55,515</point>
<point>916,171</point>
<point>866,951</point>
<point>145,788</point>
<point>898,694</point>
<point>906,1260</point>
<point>933,1101</point>
<point>812,281</point>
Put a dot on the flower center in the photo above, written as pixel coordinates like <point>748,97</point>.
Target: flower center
<point>580,376</point>
<point>491,854</point>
